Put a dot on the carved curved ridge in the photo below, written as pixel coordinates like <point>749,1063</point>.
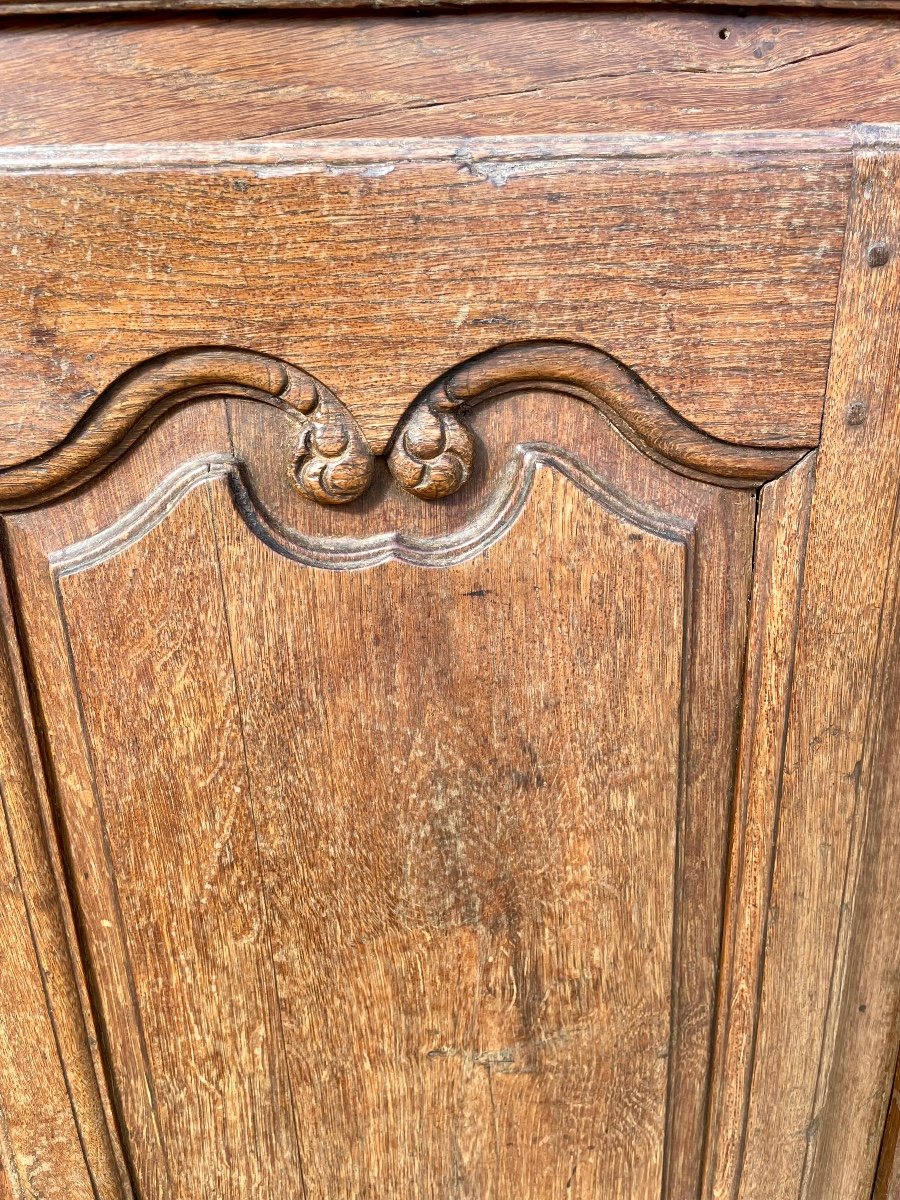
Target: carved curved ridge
<point>433,449</point>
<point>330,460</point>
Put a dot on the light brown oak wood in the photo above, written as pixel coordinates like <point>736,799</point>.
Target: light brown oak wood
<point>40,7</point>
<point>378,266</point>
<point>432,451</point>
<point>832,947</point>
<point>449,672</point>
<point>887,1181</point>
<point>55,1117</point>
<point>244,813</point>
<point>778,573</point>
<point>369,877</point>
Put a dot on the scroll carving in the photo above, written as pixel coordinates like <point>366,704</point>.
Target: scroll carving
<point>329,461</point>
<point>432,452</point>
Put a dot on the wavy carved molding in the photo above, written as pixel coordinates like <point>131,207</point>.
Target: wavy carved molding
<point>432,451</point>
<point>330,461</point>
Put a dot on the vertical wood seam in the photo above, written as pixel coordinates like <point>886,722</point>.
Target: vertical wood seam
<point>855,848</point>
<point>733,864</point>
<point>828,1072</point>
<point>850,193</point>
<point>8,1166</point>
<point>51,1016</point>
<point>772,857</point>
<point>888,1159</point>
<point>746,760</point>
<point>23,709</point>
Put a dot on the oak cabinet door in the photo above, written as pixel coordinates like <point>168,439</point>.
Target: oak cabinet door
<point>435,807</point>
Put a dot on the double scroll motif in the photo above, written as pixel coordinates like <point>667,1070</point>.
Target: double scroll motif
<point>432,451</point>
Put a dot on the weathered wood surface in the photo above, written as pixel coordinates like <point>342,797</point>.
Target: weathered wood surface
<point>329,460</point>
<point>39,1146</point>
<point>209,77</point>
<point>432,452</point>
<point>829,1018</point>
<point>209,917</point>
<point>55,1121</point>
<point>378,273</point>
<point>779,559</point>
<point>567,860</point>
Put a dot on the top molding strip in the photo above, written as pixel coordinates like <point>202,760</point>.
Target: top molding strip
<point>34,7</point>
<point>496,158</point>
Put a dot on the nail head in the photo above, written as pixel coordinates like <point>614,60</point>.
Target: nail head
<point>879,254</point>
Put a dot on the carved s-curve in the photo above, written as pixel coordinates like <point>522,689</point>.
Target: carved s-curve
<point>433,450</point>
<point>331,461</point>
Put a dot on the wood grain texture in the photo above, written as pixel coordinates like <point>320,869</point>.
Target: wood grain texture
<point>214,78</point>
<point>540,840</point>
<point>468,1003</point>
<point>887,1181</point>
<point>379,271</point>
<point>328,460</point>
<point>432,450</point>
<point>40,1153</point>
<point>90,7</point>
<point>782,523</point>
<point>150,1044</point>
<point>829,1019</point>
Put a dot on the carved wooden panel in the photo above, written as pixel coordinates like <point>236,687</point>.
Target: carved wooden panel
<point>396,832</point>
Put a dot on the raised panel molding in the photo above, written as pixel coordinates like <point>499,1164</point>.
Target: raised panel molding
<point>432,451</point>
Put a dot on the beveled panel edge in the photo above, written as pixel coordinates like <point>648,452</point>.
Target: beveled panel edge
<point>782,530</point>
<point>26,809</point>
<point>499,513</point>
<point>431,452</point>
